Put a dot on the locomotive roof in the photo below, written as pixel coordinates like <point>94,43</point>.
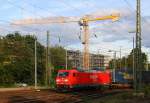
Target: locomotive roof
<point>75,70</point>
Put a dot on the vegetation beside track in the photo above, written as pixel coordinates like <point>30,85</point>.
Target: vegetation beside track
<point>124,97</point>
<point>17,60</point>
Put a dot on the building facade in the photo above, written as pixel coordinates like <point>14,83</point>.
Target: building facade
<point>96,60</point>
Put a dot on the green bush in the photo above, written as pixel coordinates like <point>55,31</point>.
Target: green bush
<point>147,90</point>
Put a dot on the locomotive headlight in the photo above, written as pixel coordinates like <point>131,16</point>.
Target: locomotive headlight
<point>58,80</point>
<point>66,80</point>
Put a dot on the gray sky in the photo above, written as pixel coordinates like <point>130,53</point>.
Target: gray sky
<point>109,35</point>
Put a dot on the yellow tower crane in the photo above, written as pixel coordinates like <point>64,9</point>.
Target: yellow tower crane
<point>84,21</point>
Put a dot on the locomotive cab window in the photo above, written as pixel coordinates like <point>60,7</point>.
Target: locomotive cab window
<point>74,74</point>
<point>63,74</point>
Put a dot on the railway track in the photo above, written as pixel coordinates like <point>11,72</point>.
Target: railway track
<point>20,99</point>
<point>43,99</point>
<point>89,95</point>
<point>51,96</point>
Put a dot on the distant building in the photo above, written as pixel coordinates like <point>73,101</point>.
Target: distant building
<point>107,59</point>
<point>75,58</point>
<point>96,60</point>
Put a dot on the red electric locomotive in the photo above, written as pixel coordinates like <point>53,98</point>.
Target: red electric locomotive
<point>76,79</point>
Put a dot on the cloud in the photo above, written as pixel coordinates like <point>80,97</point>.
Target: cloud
<point>108,32</point>
<point>146,32</point>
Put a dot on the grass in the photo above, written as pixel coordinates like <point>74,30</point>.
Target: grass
<point>7,85</point>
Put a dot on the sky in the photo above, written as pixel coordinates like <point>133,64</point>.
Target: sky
<point>109,35</point>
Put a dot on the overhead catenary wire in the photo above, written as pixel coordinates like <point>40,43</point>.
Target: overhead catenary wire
<point>41,8</point>
<point>76,8</point>
<point>68,5</point>
<point>129,5</point>
<point>32,5</point>
<point>94,6</point>
<point>20,7</point>
<point>24,9</point>
<point>134,11</point>
<point>13,3</point>
<point>35,6</point>
<point>11,31</point>
<point>34,29</point>
<point>30,11</point>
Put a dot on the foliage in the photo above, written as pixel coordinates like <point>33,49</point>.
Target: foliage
<point>17,59</point>
<point>58,61</point>
<point>127,62</point>
<point>147,90</point>
<point>57,56</point>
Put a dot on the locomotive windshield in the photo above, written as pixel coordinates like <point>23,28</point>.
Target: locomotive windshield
<point>63,74</point>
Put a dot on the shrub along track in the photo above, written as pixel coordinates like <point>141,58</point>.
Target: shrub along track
<point>51,96</point>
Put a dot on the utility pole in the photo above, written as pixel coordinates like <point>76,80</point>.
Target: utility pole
<point>133,64</point>
<point>1,41</point>
<point>120,57</point>
<point>35,55</point>
<point>66,60</point>
<point>147,63</point>
<point>125,61</point>
<point>114,70</point>
<point>99,57</point>
<point>48,59</point>
<point>114,65</point>
<point>138,58</point>
<point>147,66</point>
<point>48,69</point>
<point>80,59</point>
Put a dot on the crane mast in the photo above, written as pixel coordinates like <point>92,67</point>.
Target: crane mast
<point>86,55</point>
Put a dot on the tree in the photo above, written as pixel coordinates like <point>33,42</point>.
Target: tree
<point>17,62</point>
<point>57,56</point>
<point>127,62</point>
<point>17,59</point>
<point>143,59</point>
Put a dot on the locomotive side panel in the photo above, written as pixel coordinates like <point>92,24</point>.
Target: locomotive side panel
<point>104,78</point>
<point>77,79</point>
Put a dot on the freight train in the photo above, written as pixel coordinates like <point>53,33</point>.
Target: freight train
<point>69,79</point>
<point>74,78</point>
